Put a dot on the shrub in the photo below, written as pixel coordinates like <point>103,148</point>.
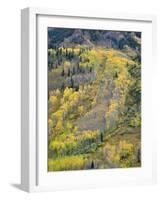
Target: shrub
<point>66,163</point>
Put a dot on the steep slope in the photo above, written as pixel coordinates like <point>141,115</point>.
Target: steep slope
<point>110,39</point>
<point>95,119</point>
<point>94,100</point>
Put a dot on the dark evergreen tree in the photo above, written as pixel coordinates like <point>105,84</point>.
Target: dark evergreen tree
<point>73,71</point>
<point>66,53</point>
<point>101,136</point>
<point>78,68</point>
<point>77,88</point>
<point>62,73</point>
<point>68,72</point>
<point>139,155</point>
<point>72,82</point>
<point>69,55</point>
<point>57,52</point>
<point>60,51</point>
<point>72,52</point>
<point>63,86</point>
<point>92,165</point>
<point>116,75</point>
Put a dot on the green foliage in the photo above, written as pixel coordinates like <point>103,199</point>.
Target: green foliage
<point>135,121</point>
<point>122,154</point>
<point>86,142</point>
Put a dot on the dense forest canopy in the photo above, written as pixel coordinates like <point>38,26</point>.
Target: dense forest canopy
<point>94,99</point>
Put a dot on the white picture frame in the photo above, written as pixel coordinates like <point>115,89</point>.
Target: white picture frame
<point>33,175</point>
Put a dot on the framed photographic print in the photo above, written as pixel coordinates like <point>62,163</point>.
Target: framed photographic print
<point>86,99</point>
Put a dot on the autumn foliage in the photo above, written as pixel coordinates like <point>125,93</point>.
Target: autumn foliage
<point>94,106</point>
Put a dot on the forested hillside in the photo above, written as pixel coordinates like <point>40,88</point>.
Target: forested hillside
<point>94,99</point>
